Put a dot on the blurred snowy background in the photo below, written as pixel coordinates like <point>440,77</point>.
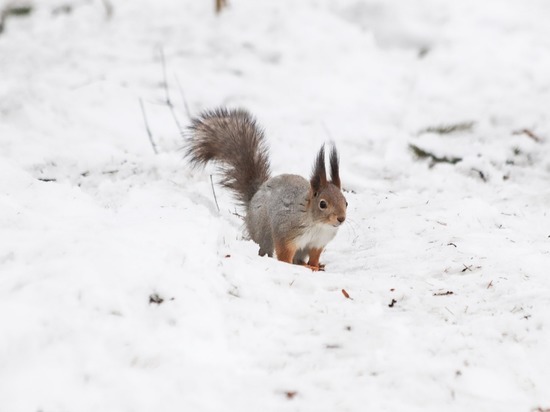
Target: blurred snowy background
<point>122,288</point>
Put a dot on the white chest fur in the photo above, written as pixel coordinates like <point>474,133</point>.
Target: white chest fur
<point>316,236</point>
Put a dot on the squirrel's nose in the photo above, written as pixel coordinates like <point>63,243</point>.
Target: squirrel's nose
<point>341,219</point>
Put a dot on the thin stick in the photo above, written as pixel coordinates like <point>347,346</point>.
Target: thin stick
<point>167,92</point>
<point>214,192</point>
<point>528,133</point>
<point>108,9</point>
<point>2,20</point>
<point>147,127</point>
<point>184,99</point>
<point>220,4</point>
<point>163,62</point>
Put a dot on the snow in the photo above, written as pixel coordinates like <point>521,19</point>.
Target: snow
<point>93,223</point>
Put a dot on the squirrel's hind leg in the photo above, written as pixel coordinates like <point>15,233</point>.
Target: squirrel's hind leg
<point>285,251</point>
<point>266,244</point>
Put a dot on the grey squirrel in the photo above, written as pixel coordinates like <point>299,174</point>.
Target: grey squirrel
<point>286,213</point>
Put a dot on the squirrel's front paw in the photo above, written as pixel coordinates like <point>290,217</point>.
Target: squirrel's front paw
<point>316,268</point>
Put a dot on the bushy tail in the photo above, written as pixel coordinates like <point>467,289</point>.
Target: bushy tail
<point>233,140</point>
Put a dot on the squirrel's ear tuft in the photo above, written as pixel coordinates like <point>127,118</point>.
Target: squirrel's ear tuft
<point>335,167</point>
<point>319,174</point>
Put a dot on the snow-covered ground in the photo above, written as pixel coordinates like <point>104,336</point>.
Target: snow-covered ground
<point>447,263</point>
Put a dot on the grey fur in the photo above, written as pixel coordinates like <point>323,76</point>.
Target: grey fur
<point>278,211</point>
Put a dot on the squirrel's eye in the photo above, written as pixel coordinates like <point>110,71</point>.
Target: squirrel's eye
<point>323,204</point>
<point>346,204</point>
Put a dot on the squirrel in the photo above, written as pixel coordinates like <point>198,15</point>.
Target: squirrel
<point>287,214</point>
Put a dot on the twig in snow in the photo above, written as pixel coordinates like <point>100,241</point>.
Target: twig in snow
<point>392,303</point>
<point>481,174</point>
<point>214,193</point>
<point>490,285</point>
<point>155,298</point>
<point>528,133</point>
<point>17,10</point>
<point>147,127</point>
<point>516,309</point>
<point>220,4</point>
<point>183,98</point>
<point>108,9</point>
<point>234,292</point>
<point>449,128</point>
<point>346,294</point>
<point>424,154</point>
<point>14,10</point>
<point>167,92</point>
<point>332,346</point>
<point>422,52</point>
<point>110,172</point>
<point>449,292</point>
